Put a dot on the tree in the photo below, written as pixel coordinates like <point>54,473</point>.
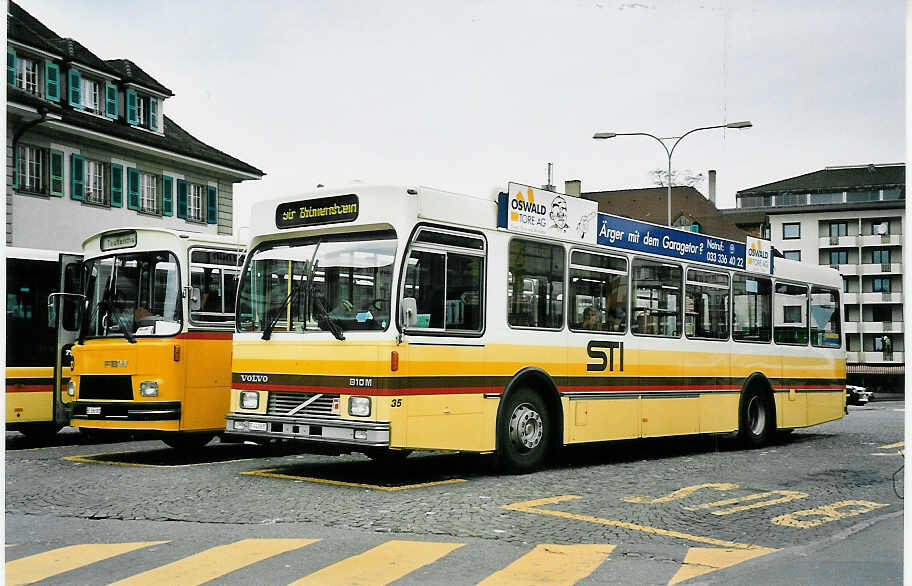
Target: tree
<point>686,177</point>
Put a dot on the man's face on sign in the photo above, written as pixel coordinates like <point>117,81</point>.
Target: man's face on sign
<point>559,211</point>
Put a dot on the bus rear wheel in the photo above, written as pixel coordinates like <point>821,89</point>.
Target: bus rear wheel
<point>189,441</point>
<point>523,432</point>
<point>757,419</point>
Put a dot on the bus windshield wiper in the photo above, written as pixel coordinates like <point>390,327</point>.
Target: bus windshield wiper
<point>120,321</point>
<point>296,288</point>
<point>326,321</point>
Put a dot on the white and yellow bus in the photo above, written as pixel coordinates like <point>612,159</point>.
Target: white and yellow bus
<point>391,319</point>
<point>154,348</point>
<point>37,370</point>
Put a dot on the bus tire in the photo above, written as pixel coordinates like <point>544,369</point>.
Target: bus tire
<point>756,420</point>
<point>188,441</point>
<point>523,432</point>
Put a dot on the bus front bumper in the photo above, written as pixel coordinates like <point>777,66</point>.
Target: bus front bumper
<point>335,431</point>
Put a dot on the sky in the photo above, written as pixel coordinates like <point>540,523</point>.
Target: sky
<point>467,96</point>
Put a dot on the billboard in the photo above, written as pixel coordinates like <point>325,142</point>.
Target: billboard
<point>530,210</point>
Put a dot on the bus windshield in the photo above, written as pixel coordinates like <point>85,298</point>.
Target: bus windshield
<point>318,284</point>
<point>133,294</point>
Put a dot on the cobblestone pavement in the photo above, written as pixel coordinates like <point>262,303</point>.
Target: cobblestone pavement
<point>644,495</point>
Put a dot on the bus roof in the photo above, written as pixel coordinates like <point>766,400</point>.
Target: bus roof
<point>36,253</point>
<point>92,246</point>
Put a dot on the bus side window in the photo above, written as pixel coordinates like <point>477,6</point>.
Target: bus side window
<point>790,305</point>
<point>535,293</point>
<point>751,308</point>
<point>657,298</point>
<point>824,317</point>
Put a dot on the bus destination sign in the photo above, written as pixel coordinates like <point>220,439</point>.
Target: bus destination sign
<point>119,240</point>
<point>642,237</point>
<point>314,212</point>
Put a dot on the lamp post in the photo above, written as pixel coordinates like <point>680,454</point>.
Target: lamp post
<point>669,152</point>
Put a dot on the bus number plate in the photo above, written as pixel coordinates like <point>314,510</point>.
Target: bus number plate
<point>93,410</point>
<point>258,426</point>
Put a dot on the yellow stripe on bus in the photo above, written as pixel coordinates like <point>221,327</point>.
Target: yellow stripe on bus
<point>64,559</point>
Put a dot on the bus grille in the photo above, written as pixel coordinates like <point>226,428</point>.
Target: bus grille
<point>116,387</point>
<point>282,403</point>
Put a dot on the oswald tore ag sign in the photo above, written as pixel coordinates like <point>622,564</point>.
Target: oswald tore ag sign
<point>544,213</point>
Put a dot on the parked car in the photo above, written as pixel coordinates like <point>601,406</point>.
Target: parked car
<point>856,395</point>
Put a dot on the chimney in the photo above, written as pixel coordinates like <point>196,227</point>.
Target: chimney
<point>712,186</point>
<point>573,187</point>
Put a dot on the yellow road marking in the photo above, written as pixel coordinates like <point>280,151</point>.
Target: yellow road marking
<point>64,559</point>
<point>680,493</point>
<point>381,565</point>
<point>785,496</point>
<point>215,562</point>
<point>827,513</point>
<point>703,560</point>
<point>552,564</point>
<point>891,446</point>
<point>88,459</point>
<point>271,473</point>
<point>887,454</point>
<point>528,507</point>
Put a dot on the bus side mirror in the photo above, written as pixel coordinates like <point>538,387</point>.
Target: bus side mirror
<point>195,299</point>
<point>408,309</point>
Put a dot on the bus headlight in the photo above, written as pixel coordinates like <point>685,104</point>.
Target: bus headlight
<point>250,400</point>
<point>359,406</point>
<point>71,389</point>
<point>148,388</point>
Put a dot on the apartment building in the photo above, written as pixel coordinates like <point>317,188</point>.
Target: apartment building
<point>852,219</point>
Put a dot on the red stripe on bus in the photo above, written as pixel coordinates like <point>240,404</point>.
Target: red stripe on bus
<point>636,388</point>
<point>367,390</point>
<point>204,336</point>
<point>29,388</point>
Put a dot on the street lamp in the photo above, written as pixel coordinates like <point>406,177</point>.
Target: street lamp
<point>661,141</point>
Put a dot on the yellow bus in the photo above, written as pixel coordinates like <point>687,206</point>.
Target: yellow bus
<point>390,319</point>
<point>37,369</point>
<point>154,348</point>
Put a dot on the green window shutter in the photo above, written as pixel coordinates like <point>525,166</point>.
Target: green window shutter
<point>77,176</point>
<point>132,108</point>
<point>133,189</point>
<point>153,114</point>
<point>110,100</point>
<point>116,185</point>
<point>10,66</point>
<point>56,173</point>
<point>181,199</point>
<point>167,196</point>
<point>212,205</point>
<point>75,88</point>
<point>51,81</point>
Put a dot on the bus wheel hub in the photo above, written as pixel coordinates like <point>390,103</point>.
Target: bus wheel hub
<point>525,427</point>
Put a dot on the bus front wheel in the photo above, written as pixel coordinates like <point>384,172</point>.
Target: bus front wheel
<point>757,420</point>
<point>523,432</point>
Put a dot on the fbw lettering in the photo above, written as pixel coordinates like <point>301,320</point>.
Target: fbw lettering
<point>603,351</point>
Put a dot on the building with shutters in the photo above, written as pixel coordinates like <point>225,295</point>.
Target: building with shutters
<point>850,218</point>
<point>89,147</point>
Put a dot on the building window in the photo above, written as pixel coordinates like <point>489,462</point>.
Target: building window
<point>31,168</point>
<point>881,285</point>
<point>880,256</point>
<point>839,257</point>
<point>823,198</point>
<point>894,193</point>
<point>148,194</point>
<point>791,231</point>
<point>27,75</point>
<point>755,201</point>
<point>845,284</point>
<point>883,344</point>
<point>195,202</point>
<point>792,254</point>
<point>855,196</point>
<point>91,97</point>
<point>791,199</point>
<point>878,228</point>
<point>838,229</point>
<point>95,191</point>
<point>881,313</point>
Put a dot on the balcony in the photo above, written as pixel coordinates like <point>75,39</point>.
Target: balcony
<point>895,297</point>
<point>879,240</point>
<point>881,327</point>
<point>851,298</point>
<point>838,241</point>
<point>881,268</point>
<point>847,269</point>
<point>852,327</point>
<point>875,357</point>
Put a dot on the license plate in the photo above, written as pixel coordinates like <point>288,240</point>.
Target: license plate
<point>258,426</point>
<point>93,410</point>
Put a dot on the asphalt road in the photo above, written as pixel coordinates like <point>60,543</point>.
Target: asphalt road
<point>818,506</point>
